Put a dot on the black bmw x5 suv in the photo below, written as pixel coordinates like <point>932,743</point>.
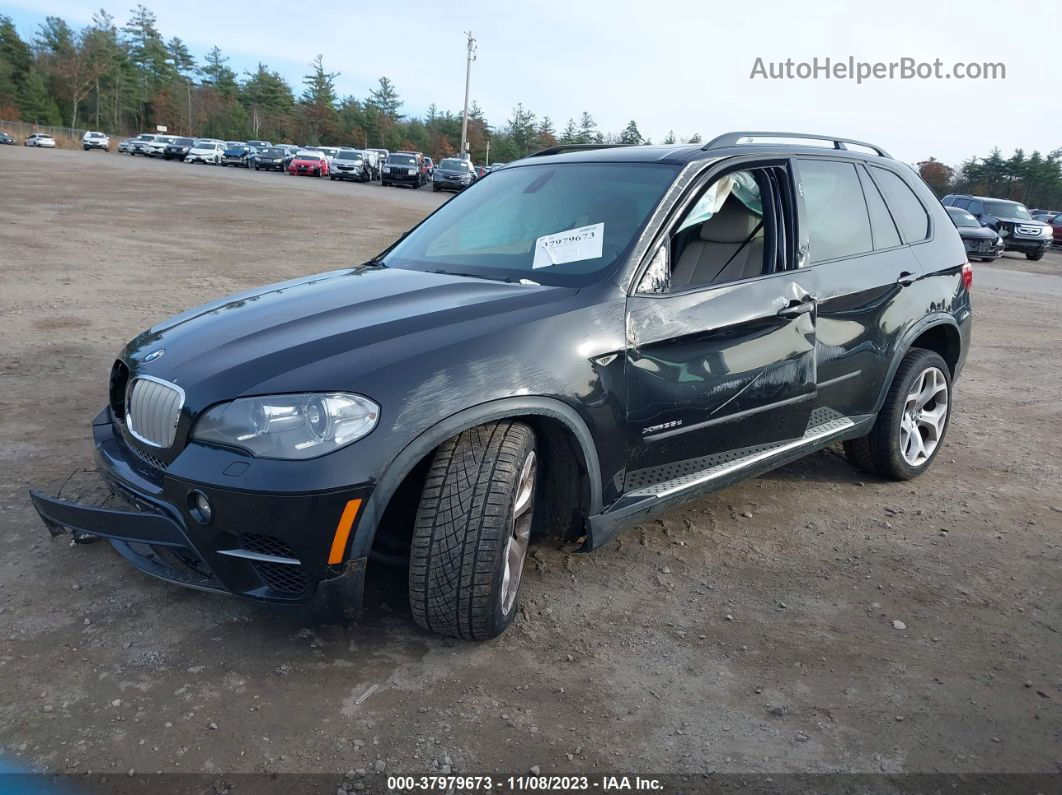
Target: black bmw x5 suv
<point>581,341</point>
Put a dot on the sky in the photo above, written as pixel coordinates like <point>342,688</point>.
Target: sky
<point>682,66</point>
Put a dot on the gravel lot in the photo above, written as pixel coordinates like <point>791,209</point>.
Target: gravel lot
<point>752,631</point>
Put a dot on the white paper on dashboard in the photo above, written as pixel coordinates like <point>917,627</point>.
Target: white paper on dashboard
<point>571,246</point>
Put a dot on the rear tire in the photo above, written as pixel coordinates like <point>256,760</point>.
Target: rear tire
<point>911,425</point>
<point>472,530</point>
<point>1039,255</point>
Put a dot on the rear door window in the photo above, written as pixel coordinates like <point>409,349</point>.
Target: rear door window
<point>911,217</point>
<point>882,226</point>
<point>837,217</point>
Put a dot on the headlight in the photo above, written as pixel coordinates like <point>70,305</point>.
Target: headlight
<point>289,426</point>
<point>999,240</point>
<point>1048,232</point>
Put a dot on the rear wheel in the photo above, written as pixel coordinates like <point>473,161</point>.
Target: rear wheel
<point>1039,255</point>
<point>472,531</point>
<point>911,425</point>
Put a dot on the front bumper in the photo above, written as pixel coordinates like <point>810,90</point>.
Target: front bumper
<point>259,545</point>
<point>412,179</point>
<point>1027,245</point>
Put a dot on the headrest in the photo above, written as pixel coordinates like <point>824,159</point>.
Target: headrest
<point>732,224</point>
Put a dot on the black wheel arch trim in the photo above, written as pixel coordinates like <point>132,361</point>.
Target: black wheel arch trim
<point>431,438</point>
<point>906,342</point>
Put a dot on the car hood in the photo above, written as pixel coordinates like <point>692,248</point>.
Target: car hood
<point>323,332</point>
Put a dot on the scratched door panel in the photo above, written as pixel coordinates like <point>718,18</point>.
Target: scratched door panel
<point>718,369</point>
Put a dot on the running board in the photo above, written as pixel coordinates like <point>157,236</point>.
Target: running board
<point>642,503</point>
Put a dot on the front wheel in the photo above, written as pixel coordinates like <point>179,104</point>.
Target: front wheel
<point>472,531</point>
<point>1039,255</point>
<point>910,427</point>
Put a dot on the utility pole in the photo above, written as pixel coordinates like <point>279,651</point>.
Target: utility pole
<point>488,153</point>
<point>468,78</point>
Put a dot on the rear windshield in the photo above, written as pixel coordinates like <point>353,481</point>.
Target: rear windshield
<point>566,224</point>
<point>962,218</point>
<point>402,160</point>
<point>1007,210</point>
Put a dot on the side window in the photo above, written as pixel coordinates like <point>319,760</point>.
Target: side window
<point>961,203</point>
<point>838,222</point>
<point>975,207</point>
<point>737,228</point>
<point>908,211</point>
<point>882,227</point>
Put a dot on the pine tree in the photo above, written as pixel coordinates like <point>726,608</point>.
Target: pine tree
<point>318,102</point>
<point>216,72</point>
<point>631,134</point>
<point>587,129</point>
<point>670,139</point>
<point>521,130</point>
<point>545,135</point>
<point>34,102</point>
<point>570,134</point>
<point>385,99</point>
<point>695,138</point>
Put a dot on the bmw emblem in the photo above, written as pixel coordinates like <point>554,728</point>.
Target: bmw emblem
<point>154,355</point>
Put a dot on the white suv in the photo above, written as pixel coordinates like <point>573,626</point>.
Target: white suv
<point>95,140</point>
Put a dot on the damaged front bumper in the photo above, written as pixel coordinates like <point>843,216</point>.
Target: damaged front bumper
<point>259,545</point>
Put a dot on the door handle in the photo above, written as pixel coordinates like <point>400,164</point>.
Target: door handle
<point>906,279</point>
<point>797,308</point>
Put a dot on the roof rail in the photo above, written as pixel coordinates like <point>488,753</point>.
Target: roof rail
<point>735,138</point>
<point>562,148</point>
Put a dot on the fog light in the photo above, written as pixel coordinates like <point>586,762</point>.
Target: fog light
<point>199,507</point>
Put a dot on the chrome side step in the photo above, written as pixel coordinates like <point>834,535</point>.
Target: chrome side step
<point>679,484</point>
<point>259,557</point>
<point>651,495</point>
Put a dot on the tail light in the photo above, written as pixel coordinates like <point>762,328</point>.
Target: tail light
<point>967,276</point>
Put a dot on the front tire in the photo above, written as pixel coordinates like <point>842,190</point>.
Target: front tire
<point>1039,255</point>
<point>911,425</point>
<point>472,531</point>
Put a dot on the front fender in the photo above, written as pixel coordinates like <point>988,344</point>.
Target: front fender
<point>431,438</point>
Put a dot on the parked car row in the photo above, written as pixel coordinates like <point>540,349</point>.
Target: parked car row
<point>1011,221</point>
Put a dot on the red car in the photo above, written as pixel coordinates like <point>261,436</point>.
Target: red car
<point>1056,228</point>
<point>308,163</point>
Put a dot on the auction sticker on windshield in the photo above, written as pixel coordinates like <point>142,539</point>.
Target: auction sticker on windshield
<point>570,246</point>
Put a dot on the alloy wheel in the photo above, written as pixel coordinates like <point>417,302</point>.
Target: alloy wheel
<point>520,534</point>
<point>925,415</point>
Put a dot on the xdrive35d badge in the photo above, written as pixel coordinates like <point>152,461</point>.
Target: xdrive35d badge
<point>575,343</point>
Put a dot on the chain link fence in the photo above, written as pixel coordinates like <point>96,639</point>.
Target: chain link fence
<point>65,137</point>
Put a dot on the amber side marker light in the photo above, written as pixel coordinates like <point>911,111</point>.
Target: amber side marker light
<point>346,521</point>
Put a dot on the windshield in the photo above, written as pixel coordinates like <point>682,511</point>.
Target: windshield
<point>453,164</point>
<point>235,150</point>
<point>962,218</point>
<point>272,152</point>
<point>402,160</point>
<point>145,137</point>
<point>1007,210</point>
<point>553,224</point>
<point>349,156</point>
<point>309,156</point>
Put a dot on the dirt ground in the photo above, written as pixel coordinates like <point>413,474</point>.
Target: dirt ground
<point>752,631</point>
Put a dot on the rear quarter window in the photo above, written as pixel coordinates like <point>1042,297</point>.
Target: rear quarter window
<point>838,224</point>
<point>911,217</point>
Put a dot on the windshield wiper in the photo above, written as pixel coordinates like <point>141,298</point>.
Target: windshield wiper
<point>483,276</point>
<point>375,262</point>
